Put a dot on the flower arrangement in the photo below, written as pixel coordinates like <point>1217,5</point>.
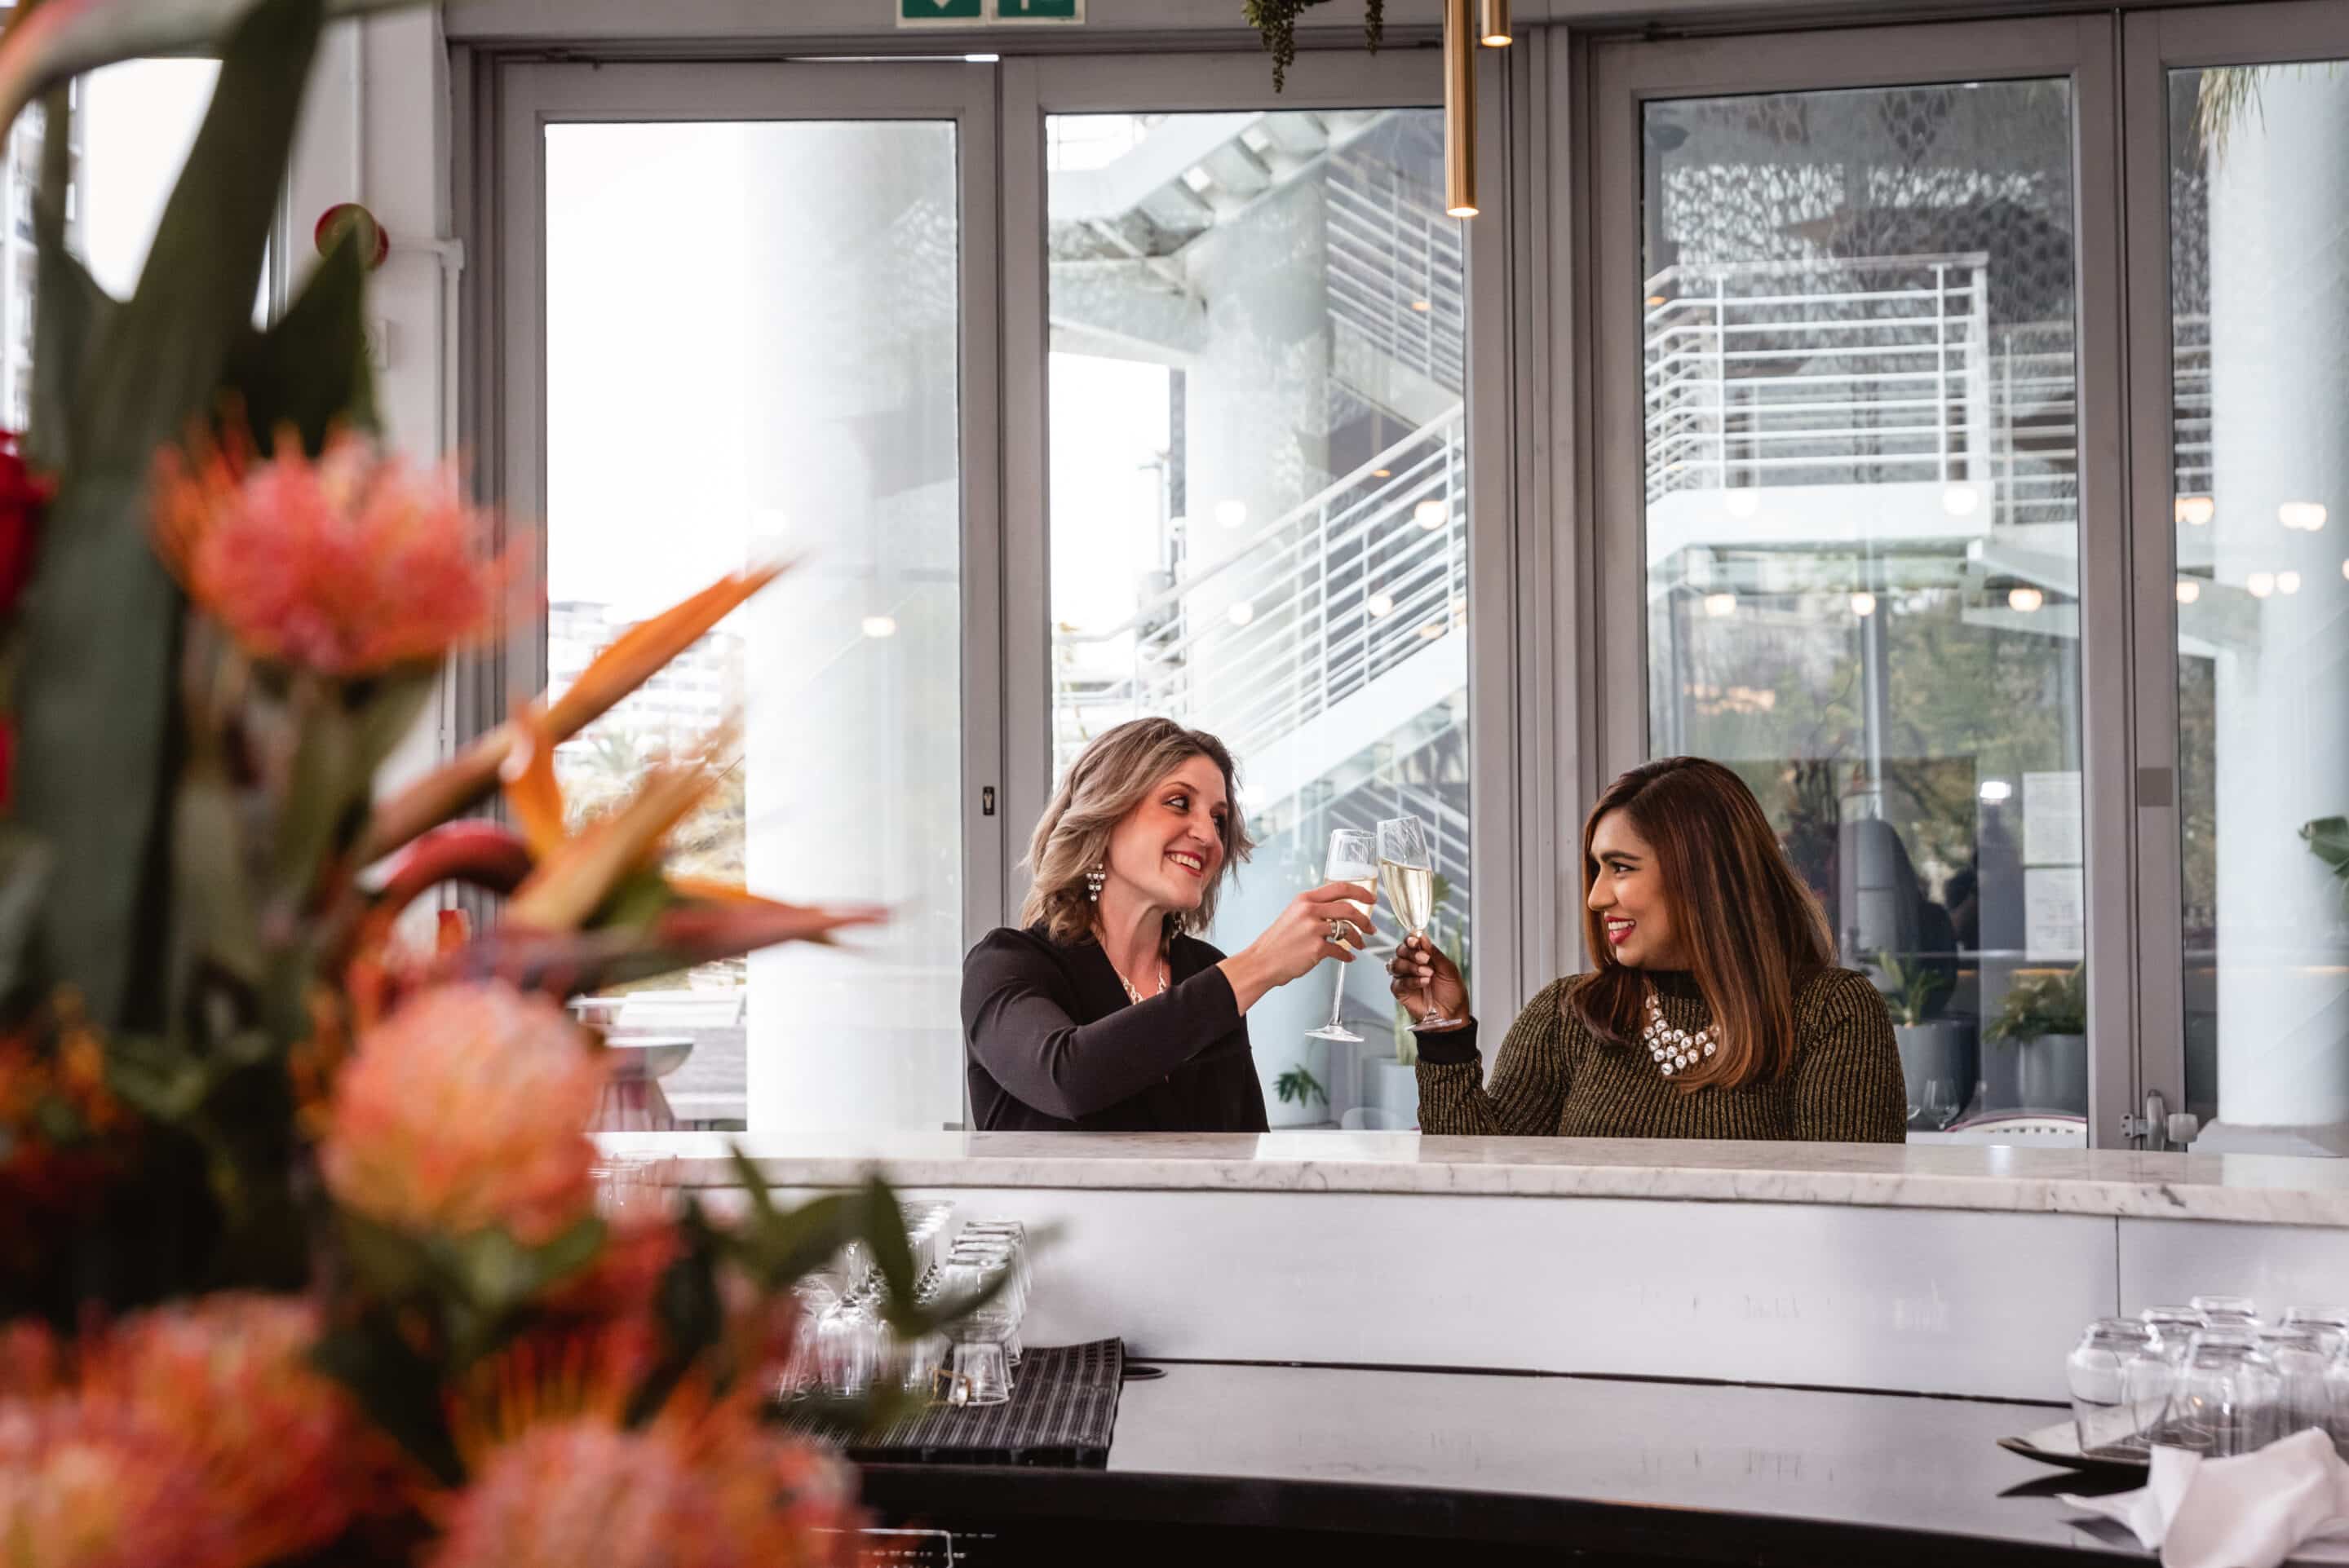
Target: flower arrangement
<point>300,1255</point>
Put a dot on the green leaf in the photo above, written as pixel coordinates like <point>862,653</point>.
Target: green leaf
<point>102,630</point>
<point>393,1265</point>
<point>399,1389</point>
<point>25,867</point>
<point>499,1274</point>
<point>64,38</point>
<point>884,1225</point>
<point>156,1077</point>
<point>783,1247</point>
<point>70,311</point>
<point>2328,840</point>
<point>310,370</point>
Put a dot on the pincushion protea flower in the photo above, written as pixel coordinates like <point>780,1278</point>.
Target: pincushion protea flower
<point>709,1489</point>
<point>287,1460</point>
<point>80,1488</point>
<point>466,1109</point>
<point>347,566</point>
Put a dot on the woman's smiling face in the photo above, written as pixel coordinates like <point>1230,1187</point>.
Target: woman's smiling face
<point>1627,892</point>
<point>1169,849</point>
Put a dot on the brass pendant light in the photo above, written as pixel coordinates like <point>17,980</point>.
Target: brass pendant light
<point>1459,111</point>
<point>1495,33</point>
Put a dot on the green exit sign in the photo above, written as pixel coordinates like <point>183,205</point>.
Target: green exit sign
<point>927,13</point>
<point>988,13</point>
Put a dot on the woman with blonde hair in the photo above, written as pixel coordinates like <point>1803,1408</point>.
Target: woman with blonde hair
<point>1106,1013</point>
<point>1713,1008</point>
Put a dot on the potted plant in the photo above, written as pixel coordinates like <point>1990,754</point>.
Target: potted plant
<point>1937,1058</point>
<point>2046,1016</point>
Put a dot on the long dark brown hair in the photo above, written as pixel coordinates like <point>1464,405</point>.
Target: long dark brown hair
<point>1752,931</point>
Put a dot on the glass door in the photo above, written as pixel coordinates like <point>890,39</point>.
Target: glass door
<point>1857,522</point>
<point>747,312</point>
<point>1254,427</point>
<point>2240,292</point>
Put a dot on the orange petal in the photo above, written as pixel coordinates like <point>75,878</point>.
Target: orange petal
<point>709,890</point>
<point>532,794</point>
<point>631,660</point>
<point>581,874</point>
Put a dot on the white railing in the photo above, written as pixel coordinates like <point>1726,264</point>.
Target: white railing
<point>1397,270</point>
<point>1306,612</point>
<point>1876,372</point>
<point>1842,372</point>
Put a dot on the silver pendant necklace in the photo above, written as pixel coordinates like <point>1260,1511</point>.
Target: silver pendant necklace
<point>1675,1050</point>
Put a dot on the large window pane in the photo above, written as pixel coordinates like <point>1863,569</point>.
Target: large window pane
<point>2259,314</point>
<point>1259,507</point>
<point>1863,541</point>
<point>751,349</point>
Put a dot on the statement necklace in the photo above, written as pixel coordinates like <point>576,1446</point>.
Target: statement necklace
<point>1672,1049</point>
<point>1131,994</point>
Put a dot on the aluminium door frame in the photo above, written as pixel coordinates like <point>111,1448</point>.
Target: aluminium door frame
<point>1035,87</point>
<point>511,103</point>
<point>2154,44</point>
<point>1625,75</point>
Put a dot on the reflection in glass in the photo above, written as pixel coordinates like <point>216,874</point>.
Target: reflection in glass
<point>1259,503</point>
<point>750,350</point>
<point>1863,537</point>
<point>2259,322</point>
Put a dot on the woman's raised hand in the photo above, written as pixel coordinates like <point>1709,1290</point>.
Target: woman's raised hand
<point>1427,984</point>
<point>1300,937</point>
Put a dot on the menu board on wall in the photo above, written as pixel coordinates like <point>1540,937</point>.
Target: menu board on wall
<point>2051,819</point>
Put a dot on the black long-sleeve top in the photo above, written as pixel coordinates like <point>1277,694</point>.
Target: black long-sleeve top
<point>1052,1042</point>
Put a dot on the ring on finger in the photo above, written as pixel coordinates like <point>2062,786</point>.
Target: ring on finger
<point>1337,933</point>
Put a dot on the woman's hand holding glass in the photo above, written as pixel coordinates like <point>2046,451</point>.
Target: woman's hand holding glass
<point>1428,983</point>
<point>1324,922</point>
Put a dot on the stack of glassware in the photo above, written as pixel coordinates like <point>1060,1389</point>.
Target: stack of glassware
<point>2212,1375</point>
<point>845,1346</point>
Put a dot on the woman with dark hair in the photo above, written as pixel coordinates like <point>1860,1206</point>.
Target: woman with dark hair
<point>1715,1010</point>
<point>1105,1013</point>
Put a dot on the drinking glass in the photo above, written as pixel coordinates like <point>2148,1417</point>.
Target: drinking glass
<point>2227,1395</point>
<point>2228,1311</point>
<point>2329,1323</point>
<point>1352,858</point>
<point>2304,1398</point>
<point>982,1373</point>
<point>1407,871</point>
<point>2096,1371</point>
<point>2152,1378</point>
<point>1942,1103</point>
<point>848,1348</point>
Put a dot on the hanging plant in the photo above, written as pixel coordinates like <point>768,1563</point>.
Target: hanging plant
<point>1276,21</point>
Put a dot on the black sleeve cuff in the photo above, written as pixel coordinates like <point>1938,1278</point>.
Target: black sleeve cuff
<point>1447,1047</point>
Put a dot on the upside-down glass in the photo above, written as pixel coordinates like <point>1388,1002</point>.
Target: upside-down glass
<point>2329,1323</point>
<point>849,1348</point>
<point>2228,1397</point>
<point>1352,858</point>
<point>1407,868</point>
<point>2097,1374</point>
<point>2304,1398</point>
<point>2228,1311</point>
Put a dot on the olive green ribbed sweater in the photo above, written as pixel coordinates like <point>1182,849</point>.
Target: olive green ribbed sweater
<point>1557,1079</point>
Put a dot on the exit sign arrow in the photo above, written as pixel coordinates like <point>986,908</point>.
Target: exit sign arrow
<point>919,13</point>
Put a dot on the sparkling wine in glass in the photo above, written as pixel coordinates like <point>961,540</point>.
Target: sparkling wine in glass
<point>1407,871</point>
<point>1352,859</point>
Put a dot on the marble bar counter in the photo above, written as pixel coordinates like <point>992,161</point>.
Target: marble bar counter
<point>1931,1269</point>
<point>2250,1189</point>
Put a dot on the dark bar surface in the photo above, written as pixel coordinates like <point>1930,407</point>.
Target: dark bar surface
<point>1227,1464</point>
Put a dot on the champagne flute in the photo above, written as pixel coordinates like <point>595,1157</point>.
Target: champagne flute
<point>1407,868</point>
<point>1352,859</point>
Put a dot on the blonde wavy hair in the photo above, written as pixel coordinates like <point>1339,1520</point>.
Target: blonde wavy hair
<point>1108,779</point>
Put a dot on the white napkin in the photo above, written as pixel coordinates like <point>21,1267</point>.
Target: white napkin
<point>2290,1499</point>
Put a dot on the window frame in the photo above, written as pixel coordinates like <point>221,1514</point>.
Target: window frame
<point>511,103</point>
<point>1036,88</point>
<point>1624,75</point>
<point>2152,44</point>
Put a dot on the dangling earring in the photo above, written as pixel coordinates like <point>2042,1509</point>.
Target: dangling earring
<point>1094,880</point>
